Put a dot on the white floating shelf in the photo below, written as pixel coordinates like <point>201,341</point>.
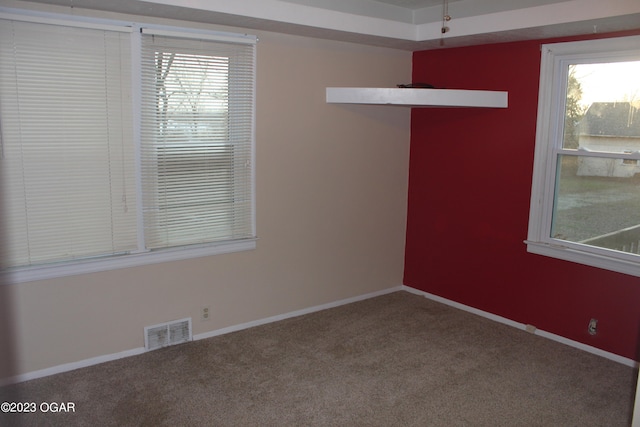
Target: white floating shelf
<point>417,97</point>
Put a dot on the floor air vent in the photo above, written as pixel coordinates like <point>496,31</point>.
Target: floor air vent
<point>164,334</point>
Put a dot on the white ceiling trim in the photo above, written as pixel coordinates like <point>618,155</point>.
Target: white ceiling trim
<point>474,21</point>
<point>290,13</point>
<point>553,14</point>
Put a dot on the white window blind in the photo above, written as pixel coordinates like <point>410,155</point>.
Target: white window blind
<point>197,140</point>
<point>67,166</point>
<point>95,177</point>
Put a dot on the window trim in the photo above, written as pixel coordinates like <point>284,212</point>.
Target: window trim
<point>114,262</point>
<point>551,99</point>
<point>142,256</point>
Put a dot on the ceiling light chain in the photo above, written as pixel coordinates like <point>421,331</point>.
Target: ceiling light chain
<point>445,16</point>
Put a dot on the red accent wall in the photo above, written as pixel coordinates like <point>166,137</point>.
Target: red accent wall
<point>469,188</point>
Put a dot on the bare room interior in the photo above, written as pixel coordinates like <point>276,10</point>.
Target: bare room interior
<point>396,157</point>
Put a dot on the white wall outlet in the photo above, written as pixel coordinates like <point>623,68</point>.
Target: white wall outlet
<point>593,326</point>
<point>205,313</point>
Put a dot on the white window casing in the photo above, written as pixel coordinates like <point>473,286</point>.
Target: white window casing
<point>555,62</point>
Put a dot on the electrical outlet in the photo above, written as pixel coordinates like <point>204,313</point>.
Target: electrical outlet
<point>593,326</point>
<point>205,313</point>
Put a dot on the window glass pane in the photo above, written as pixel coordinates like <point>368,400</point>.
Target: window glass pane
<point>601,107</point>
<point>597,202</point>
<point>194,156</point>
<point>597,197</point>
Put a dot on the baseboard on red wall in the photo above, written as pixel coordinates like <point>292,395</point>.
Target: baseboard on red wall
<point>529,328</point>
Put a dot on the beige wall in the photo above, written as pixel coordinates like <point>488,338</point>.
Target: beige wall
<point>331,211</point>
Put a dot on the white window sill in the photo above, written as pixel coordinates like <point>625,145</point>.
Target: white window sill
<point>50,271</point>
<point>586,258</point>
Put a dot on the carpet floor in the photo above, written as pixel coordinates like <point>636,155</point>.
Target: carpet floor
<point>394,360</point>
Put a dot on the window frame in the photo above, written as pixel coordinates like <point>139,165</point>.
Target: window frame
<point>555,60</point>
<point>142,256</point>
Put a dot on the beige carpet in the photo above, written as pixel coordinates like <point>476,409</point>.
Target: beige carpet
<point>394,360</point>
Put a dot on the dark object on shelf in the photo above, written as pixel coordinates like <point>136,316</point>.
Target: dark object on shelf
<point>417,86</point>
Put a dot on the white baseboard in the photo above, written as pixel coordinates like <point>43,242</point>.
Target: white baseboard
<point>590,349</point>
<point>133,352</point>
<point>136,351</point>
<point>70,366</point>
<point>295,313</point>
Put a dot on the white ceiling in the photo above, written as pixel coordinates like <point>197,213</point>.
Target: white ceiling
<point>403,24</point>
